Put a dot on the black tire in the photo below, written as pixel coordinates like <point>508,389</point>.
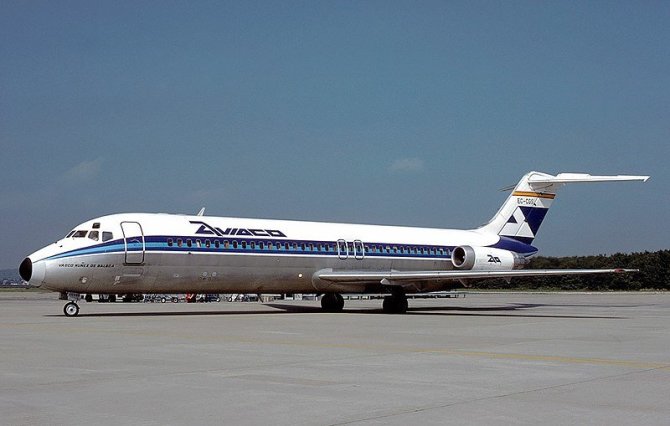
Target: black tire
<point>394,305</point>
<point>332,302</point>
<point>71,309</point>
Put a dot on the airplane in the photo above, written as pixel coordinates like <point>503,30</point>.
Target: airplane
<point>168,253</point>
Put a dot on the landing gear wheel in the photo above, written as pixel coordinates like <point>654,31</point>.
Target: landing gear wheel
<point>332,302</point>
<point>71,309</point>
<point>396,304</point>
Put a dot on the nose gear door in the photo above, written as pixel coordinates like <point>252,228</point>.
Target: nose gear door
<point>133,241</point>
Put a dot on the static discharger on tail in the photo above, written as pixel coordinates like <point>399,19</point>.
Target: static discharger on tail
<point>162,253</point>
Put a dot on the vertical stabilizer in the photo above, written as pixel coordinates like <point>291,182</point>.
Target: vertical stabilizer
<point>524,210</point>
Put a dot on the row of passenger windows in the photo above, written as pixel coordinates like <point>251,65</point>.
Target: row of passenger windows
<point>312,247</point>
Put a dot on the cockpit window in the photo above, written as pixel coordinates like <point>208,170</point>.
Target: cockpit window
<point>79,234</point>
<point>70,234</point>
<point>94,235</point>
<point>106,236</point>
<point>96,225</point>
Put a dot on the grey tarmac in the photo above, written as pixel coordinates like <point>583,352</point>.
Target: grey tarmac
<point>512,358</point>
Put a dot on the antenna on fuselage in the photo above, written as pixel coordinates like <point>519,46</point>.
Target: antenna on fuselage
<point>201,212</point>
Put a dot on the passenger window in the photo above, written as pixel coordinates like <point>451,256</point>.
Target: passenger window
<point>207,243</point>
<point>189,242</point>
<point>217,244</point>
<point>169,241</point>
<point>179,242</point>
<point>235,244</point>
<point>94,235</point>
<point>106,236</point>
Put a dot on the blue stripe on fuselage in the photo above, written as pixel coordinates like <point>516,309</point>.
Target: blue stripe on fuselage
<point>160,243</point>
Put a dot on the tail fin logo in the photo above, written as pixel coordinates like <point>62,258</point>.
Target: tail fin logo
<point>524,223</point>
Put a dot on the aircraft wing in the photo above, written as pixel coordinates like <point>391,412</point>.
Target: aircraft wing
<point>406,278</point>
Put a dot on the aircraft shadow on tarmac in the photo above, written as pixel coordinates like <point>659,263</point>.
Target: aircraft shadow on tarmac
<point>510,310</point>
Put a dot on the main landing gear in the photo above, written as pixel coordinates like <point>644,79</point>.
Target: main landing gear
<point>332,302</point>
<point>396,303</point>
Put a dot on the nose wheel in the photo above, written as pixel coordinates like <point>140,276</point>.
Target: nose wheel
<point>71,309</point>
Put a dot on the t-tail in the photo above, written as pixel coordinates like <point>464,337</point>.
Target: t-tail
<point>524,210</point>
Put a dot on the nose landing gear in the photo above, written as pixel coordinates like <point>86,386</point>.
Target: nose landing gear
<point>71,309</point>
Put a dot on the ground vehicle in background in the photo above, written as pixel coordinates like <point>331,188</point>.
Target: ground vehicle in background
<point>211,298</point>
<point>161,298</point>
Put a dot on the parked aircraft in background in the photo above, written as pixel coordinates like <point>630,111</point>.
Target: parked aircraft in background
<point>165,253</point>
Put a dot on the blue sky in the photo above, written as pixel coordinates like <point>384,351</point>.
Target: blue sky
<point>408,113</point>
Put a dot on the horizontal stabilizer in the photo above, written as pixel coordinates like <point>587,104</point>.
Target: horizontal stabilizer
<point>563,178</point>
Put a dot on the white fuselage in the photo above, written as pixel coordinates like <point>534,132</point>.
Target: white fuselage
<point>163,253</point>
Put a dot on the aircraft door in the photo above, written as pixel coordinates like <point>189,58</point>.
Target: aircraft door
<point>133,241</point>
<point>359,250</point>
<point>342,249</point>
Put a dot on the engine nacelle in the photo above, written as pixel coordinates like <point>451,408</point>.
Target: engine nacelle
<point>486,259</point>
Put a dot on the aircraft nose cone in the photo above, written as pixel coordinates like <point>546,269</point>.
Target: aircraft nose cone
<point>26,269</point>
<point>33,273</point>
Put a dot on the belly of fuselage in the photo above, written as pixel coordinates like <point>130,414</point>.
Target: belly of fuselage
<point>209,273</point>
